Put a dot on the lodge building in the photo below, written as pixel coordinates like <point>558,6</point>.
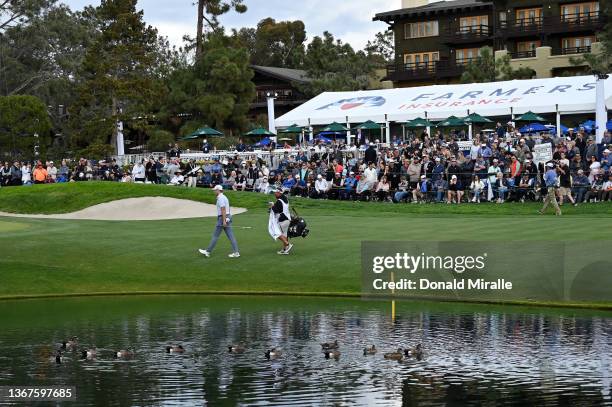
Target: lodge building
<point>434,41</point>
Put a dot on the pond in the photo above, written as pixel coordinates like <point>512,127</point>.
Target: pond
<point>473,354</point>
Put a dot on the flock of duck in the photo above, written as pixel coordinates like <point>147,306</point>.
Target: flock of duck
<point>331,350</point>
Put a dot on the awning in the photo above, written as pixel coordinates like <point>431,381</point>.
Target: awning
<point>574,94</point>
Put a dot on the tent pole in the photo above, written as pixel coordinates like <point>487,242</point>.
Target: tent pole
<point>601,116</point>
<point>558,121</point>
<point>348,133</point>
<point>310,130</point>
<point>427,129</point>
<point>403,133</point>
<point>388,131</point>
<point>470,129</point>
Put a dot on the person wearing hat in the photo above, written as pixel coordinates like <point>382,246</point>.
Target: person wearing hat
<point>280,219</point>
<point>224,224</point>
<point>178,178</point>
<point>550,180</point>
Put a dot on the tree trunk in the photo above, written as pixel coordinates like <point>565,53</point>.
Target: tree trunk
<point>200,33</point>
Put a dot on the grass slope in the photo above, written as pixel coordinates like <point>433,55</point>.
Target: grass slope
<point>42,257</point>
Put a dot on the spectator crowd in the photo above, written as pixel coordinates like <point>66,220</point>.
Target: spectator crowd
<point>497,167</point>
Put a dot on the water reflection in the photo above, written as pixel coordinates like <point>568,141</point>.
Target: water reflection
<point>473,355</point>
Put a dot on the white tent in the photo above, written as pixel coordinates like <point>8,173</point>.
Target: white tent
<point>565,95</point>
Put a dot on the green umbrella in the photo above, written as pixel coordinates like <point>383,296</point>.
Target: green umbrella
<point>293,129</point>
<point>452,121</point>
<point>369,125</point>
<point>418,122</point>
<point>530,117</point>
<point>203,132</point>
<point>260,131</point>
<point>335,127</point>
<point>475,118</point>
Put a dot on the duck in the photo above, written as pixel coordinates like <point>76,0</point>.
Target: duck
<point>236,348</point>
<point>124,354</point>
<point>330,345</point>
<point>332,354</point>
<point>398,355</point>
<point>88,353</point>
<point>70,343</point>
<point>370,350</point>
<point>273,353</point>
<point>59,358</point>
<point>175,349</point>
<point>416,352</point>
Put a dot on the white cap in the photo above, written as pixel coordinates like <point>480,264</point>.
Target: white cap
<point>550,165</point>
<point>218,188</point>
<point>606,151</point>
<point>319,176</point>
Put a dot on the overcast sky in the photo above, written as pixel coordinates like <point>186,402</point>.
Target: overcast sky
<point>350,20</point>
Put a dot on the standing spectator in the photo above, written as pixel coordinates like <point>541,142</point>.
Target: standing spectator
<point>16,174</point>
<point>5,174</point>
<point>370,155</point>
<point>565,184</point>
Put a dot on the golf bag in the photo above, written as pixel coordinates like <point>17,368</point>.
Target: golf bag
<point>297,226</point>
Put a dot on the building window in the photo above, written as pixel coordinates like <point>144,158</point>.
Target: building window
<point>577,11</point>
<point>577,45</point>
<point>421,60</point>
<point>473,24</point>
<point>421,29</point>
<point>465,55</point>
<point>529,16</point>
<point>526,49</point>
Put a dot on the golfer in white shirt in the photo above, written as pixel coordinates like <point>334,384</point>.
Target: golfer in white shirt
<point>224,223</point>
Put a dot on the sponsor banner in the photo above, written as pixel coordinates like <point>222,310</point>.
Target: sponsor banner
<point>465,145</point>
<point>541,271</point>
<point>542,153</point>
<point>570,94</point>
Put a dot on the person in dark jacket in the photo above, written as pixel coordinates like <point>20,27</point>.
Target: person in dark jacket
<point>370,154</point>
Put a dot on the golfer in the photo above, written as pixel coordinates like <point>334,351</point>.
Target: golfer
<point>550,179</point>
<point>224,223</point>
<point>280,219</point>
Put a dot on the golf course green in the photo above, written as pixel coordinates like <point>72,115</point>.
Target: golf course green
<point>46,257</point>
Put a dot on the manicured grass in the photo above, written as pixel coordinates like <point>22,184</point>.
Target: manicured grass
<point>64,198</point>
<point>66,257</point>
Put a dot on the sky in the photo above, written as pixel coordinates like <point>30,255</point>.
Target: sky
<point>349,20</point>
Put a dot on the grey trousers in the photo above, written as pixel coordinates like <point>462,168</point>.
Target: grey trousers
<point>228,232</point>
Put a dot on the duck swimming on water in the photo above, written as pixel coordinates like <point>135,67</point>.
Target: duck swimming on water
<point>330,345</point>
<point>398,355</point>
<point>370,350</point>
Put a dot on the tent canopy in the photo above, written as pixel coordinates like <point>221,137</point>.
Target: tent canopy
<point>569,95</point>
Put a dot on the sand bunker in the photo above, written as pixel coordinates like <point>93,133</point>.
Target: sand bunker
<point>149,208</point>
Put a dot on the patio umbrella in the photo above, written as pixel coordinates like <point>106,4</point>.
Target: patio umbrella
<point>452,121</point>
<point>532,127</point>
<point>530,117</point>
<point>264,142</point>
<point>418,122</point>
<point>369,125</point>
<point>323,139</point>
<point>293,129</point>
<point>588,125</point>
<point>553,129</point>
<point>475,118</point>
<point>203,132</point>
<point>335,127</point>
<point>260,131</point>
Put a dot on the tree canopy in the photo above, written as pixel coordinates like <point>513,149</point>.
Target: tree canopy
<point>486,68</point>
<point>24,124</point>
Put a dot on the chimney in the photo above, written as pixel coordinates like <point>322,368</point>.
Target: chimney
<point>414,3</point>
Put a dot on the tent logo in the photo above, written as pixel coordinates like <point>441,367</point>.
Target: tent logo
<point>347,104</point>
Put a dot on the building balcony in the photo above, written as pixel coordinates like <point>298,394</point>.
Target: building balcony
<point>455,34</point>
<point>523,54</point>
<point>567,23</point>
<point>575,50</point>
<point>282,98</point>
<point>544,63</point>
<point>424,70</point>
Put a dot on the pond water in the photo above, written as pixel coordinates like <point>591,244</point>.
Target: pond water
<point>473,355</point>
